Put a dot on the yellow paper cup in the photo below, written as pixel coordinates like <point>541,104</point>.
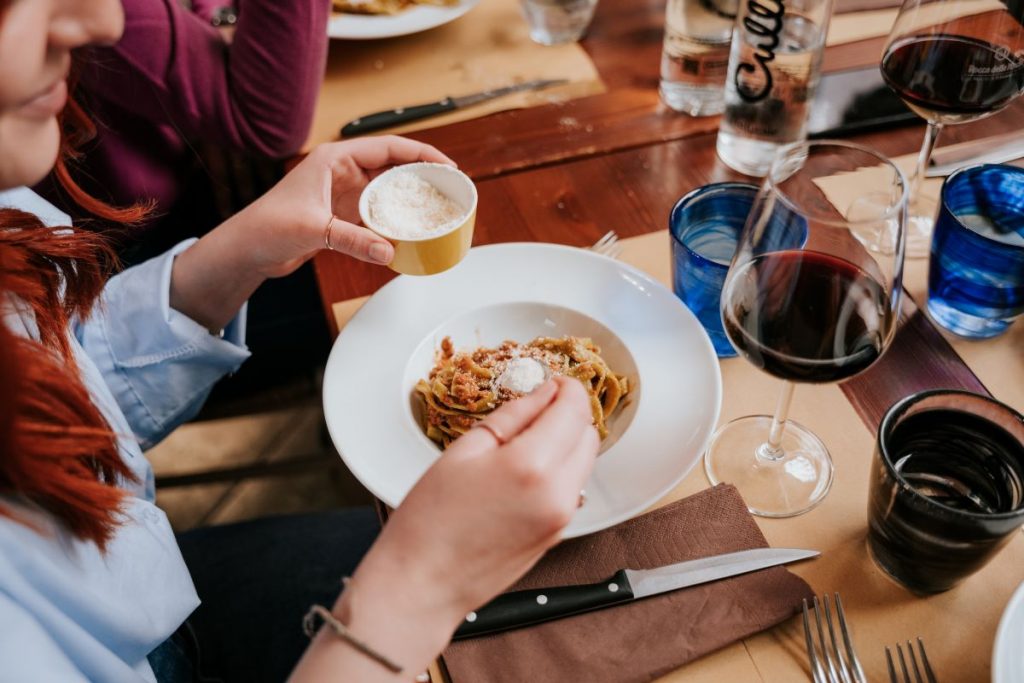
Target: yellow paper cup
<point>437,252</point>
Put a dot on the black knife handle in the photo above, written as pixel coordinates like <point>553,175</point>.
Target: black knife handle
<point>523,608</point>
<point>394,117</point>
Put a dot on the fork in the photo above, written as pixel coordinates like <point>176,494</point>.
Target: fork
<point>608,245</point>
<point>836,667</point>
<point>929,675</point>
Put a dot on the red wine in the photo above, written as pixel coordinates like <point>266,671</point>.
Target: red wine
<point>948,78</point>
<point>806,316</point>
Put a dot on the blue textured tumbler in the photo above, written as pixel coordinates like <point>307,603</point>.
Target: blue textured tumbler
<point>976,274</point>
<point>705,226</point>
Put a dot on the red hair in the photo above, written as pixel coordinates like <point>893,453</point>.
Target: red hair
<point>56,448</point>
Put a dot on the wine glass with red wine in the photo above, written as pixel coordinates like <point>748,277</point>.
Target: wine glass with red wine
<point>805,300</point>
<point>951,61</point>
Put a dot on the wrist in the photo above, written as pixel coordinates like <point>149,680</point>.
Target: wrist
<point>398,612</point>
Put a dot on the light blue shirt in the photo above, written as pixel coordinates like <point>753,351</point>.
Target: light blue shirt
<point>68,612</point>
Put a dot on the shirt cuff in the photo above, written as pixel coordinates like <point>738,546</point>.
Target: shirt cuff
<point>159,363</point>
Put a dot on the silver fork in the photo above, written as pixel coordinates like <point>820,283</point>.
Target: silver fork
<point>831,666</point>
<point>929,675</point>
<point>608,245</point>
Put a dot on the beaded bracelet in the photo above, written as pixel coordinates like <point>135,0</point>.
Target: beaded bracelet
<point>309,627</point>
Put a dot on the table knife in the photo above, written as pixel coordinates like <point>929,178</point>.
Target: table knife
<point>527,607</point>
<point>394,117</point>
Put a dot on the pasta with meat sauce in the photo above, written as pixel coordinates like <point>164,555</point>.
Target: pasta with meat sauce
<point>464,386</point>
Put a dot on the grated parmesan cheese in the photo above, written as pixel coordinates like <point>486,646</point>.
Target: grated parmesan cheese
<point>405,206</point>
<point>522,375</point>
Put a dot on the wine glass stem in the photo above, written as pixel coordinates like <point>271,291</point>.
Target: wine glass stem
<point>772,448</point>
<point>931,136</point>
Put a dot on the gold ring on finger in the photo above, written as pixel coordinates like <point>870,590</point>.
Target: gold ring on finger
<point>327,233</point>
<point>493,431</point>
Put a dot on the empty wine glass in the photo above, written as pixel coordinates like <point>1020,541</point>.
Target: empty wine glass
<point>806,301</point>
<point>951,61</point>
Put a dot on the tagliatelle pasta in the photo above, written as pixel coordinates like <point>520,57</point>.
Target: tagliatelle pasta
<point>463,387</point>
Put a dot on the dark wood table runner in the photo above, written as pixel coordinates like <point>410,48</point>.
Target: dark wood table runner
<point>918,359</point>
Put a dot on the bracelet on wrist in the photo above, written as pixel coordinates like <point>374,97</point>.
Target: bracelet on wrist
<point>310,628</point>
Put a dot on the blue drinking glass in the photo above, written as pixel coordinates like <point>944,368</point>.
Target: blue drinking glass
<point>705,226</point>
<point>976,274</point>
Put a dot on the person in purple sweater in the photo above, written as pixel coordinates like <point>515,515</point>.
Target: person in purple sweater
<point>175,85</point>
<point>188,114</point>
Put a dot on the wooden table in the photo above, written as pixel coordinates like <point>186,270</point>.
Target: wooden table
<point>622,167</point>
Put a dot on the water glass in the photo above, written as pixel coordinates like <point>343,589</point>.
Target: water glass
<point>976,274</point>
<point>695,55</point>
<point>773,71</point>
<point>946,488</point>
<point>705,226</point>
<point>553,22</point>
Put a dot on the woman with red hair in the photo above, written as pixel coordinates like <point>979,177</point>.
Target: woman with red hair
<point>93,583</point>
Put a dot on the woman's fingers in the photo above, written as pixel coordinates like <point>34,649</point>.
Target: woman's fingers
<point>575,469</point>
<point>508,421</point>
<point>559,429</point>
<point>358,242</point>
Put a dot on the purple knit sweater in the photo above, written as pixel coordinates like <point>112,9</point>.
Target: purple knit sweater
<point>173,81</point>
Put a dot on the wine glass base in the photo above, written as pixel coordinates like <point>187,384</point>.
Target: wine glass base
<point>919,236</point>
<point>786,486</point>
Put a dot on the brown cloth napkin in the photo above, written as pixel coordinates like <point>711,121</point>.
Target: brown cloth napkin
<point>642,640</point>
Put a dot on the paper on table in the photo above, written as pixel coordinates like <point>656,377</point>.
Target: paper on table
<point>487,48</point>
<point>842,189</point>
<point>849,28</point>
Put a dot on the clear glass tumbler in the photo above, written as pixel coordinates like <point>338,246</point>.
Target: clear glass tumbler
<point>553,22</point>
<point>695,55</point>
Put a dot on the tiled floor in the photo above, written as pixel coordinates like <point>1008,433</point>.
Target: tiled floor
<point>272,435</point>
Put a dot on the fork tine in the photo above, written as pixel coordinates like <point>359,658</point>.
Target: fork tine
<point>858,670</point>
<point>609,236</point>
<point>903,664</point>
<point>913,663</point>
<point>929,674</point>
<point>830,667</point>
<point>608,245</point>
<point>841,663</point>
<point>817,673</point>
<point>892,668</point>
